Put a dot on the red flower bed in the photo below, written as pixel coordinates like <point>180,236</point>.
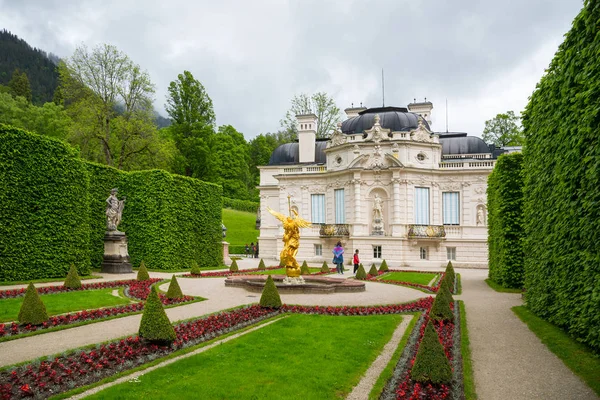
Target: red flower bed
<point>242,272</point>
<point>432,289</point>
<point>133,288</point>
<point>85,367</point>
<point>5,294</point>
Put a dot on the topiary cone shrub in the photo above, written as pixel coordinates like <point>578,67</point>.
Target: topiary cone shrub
<point>174,291</point>
<point>446,283</point>
<point>73,281</point>
<point>450,273</point>
<point>155,325</point>
<point>440,310</point>
<point>431,364</point>
<point>233,267</point>
<point>383,267</point>
<point>270,295</point>
<point>325,267</point>
<point>373,270</point>
<point>195,269</point>
<point>142,274</point>
<point>33,310</point>
<point>261,265</point>
<point>304,269</point>
<point>360,273</point>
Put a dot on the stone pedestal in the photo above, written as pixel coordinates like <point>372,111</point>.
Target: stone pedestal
<point>226,259</point>
<point>116,256</point>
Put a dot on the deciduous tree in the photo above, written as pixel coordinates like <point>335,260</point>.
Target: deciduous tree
<point>320,104</point>
<point>503,130</point>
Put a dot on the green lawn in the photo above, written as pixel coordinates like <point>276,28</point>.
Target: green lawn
<point>281,271</point>
<point>413,277</point>
<point>579,358</point>
<point>501,289</point>
<point>60,303</point>
<point>298,357</point>
<point>241,229</point>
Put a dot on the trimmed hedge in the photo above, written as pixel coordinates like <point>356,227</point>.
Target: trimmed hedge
<point>174,291</point>
<point>373,270</point>
<point>383,267</point>
<point>234,267</point>
<point>324,267</point>
<point>52,207</point>
<point>360,273</point>
<point>431,364</point>
<point>270,295</point>
<point>261,265</point>
<point>155,325</point>
<point>304,269</point>
<point>142,274</point>
<point>562,176</point>
<point>505,221</point>
<point>33,311</point>
<point>440,310</point>
<point>43,207</point>
<point>240,205</point>
<point>72,281</point>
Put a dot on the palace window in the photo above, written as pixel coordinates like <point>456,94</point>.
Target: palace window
<point>340,210</point>
<point>318,249</point>
<point>451,208</point>
<point>451,253</point>
<point>421,206</point>
<point>318,208</point>
<point>376,251</point>
<point>424,253</point>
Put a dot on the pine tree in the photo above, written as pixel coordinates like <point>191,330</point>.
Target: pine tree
<point>155,325</point>
<point>270,295</point>
<point>373,270</point>
<point>73,281</point>
<point>360,273</point>
<point>325,267</point>
<point>304,269</point>
<point>174,291</point>
<point>383,267</point>
<point>19,85</point>
<point>33,310</point>
<point>142,274</point>
<point>431,363</point>
<point>233,267</point>
<point>261,265</point>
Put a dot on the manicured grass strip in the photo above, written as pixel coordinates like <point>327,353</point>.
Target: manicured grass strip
<point>241,227</point>
<point>47,280</point>
<point>279,271</point>
<point>389,369</point>
<point>413,277</point>
<point>60,303</point>
<point>501,289</point>
<point>272,363</point>
<point>579,358</point>
<point>458,285</point>
<point>467,362</point>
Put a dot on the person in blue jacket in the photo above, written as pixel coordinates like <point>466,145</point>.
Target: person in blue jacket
<point>338,257</point>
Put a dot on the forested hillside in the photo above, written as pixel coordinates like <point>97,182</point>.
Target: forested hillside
<point>16,54</point>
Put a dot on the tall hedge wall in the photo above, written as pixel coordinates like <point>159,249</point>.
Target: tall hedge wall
<point>43,207</point>
<point>505,221</point>
<point>562,184</point>
<point>52,212</point>
<point>240,205</point>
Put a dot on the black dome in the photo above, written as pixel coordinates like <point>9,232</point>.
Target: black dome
<point>463,145</point>
<point>289,153</point>
<point>394,118</point>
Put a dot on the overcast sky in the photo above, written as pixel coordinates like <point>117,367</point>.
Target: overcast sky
<point>485,57</point>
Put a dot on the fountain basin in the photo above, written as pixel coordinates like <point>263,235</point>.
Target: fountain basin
<point>313,284</point>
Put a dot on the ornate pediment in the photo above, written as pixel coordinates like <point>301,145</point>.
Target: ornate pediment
<point>376,160</point>
<point>377,133</point>
<point>421,134</point>
<point>337,138</point>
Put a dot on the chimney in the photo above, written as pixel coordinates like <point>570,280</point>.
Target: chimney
<point>353,111</point>
<point>307,133</point>
<point>422,108</point>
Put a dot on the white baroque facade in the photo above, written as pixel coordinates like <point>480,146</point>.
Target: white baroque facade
<point>384,184</point>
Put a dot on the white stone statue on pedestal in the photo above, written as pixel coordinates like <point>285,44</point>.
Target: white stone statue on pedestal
<point>114,211</point>
<point>377,216</point>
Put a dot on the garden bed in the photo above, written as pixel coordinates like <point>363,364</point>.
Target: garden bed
<point>426,288</point>
<point>225,274</point>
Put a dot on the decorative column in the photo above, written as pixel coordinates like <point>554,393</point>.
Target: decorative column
<point>396,186</point>
<point>357,217</point>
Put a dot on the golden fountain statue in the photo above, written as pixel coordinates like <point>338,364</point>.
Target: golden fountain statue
<point>291,240</point>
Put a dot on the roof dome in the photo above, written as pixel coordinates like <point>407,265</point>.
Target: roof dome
<point>463,145</point>
<point>289,153</point>
<point>394,118</point>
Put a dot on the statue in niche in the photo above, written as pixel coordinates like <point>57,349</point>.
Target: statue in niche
<point>480,216</point>
<point>114,211</point>
<point>377,216</point>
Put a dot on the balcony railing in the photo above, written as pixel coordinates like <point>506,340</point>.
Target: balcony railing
<point>426,231</point>
<point>334,230</point>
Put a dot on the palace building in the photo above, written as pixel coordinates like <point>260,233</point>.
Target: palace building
<point>385,184</point>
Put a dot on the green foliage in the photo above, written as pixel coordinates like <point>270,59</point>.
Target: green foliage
<point>195,268</point>
<point>73,280</point>
<point>233,267</point>
<point>431,364</point>
<point>155,325</point>
<point>142,274</point>
<point>304,269</point>
<point>43,205</point>
<point>174,291</point>
<point>505,221</point>
<point>325,267</point>
<point>503,130</point>
<point>241,205</point>
<point>562,177</point>
<point>383,267</point>
<point>19,85</point>
<point>321,104</point>
<point>361,273</point>
<point>440,310</point>
<point>450,273</point>
<point>373,270</point>
<point>270,295</point>
<point>33,310</point>
<point>261,265</point>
